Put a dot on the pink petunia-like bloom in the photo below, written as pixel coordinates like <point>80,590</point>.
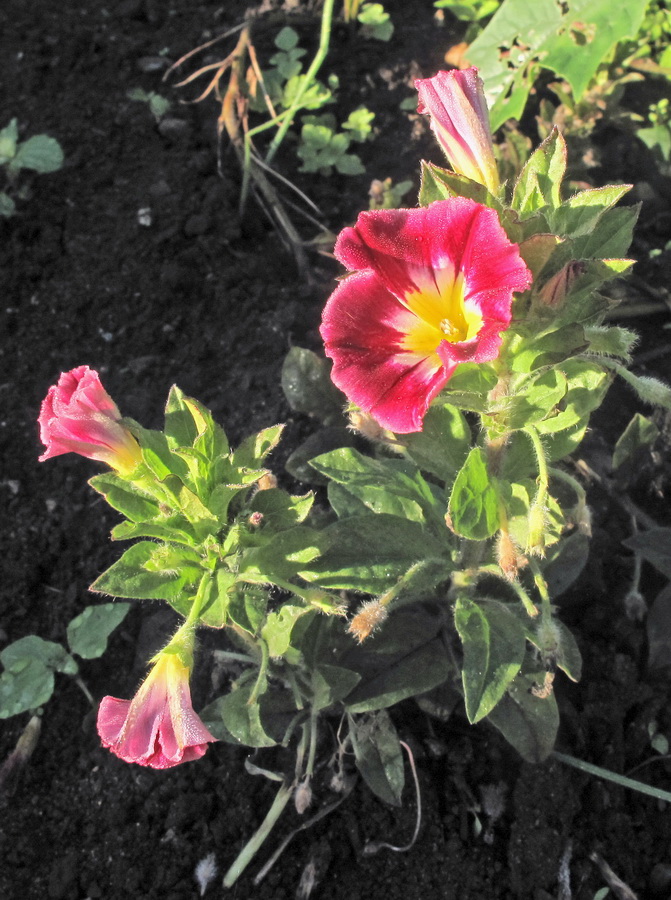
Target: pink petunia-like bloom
<point>79,416</point>
<point>455,101</point>
<point>158,727</point>
<point>431,288</point>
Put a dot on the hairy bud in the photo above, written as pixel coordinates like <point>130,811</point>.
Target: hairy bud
<point>370,616</point>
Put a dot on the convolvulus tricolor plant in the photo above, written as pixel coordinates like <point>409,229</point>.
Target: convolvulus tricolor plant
<point>468,338</point>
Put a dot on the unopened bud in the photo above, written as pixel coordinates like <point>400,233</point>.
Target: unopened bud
<point>302,796</point>
<point>548,640</point>
<point>635,606</point>
<point>365,425</point>
<point>266,482</point>
<point>537,527</point>
<point>555,290</point>
<point>584,520</point>
<point>256,519</point>
<point>370,616</point>
<point>507,555</point>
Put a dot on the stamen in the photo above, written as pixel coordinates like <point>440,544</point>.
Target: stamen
<point>448,328</point>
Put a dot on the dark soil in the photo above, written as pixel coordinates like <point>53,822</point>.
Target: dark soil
<point>199,298</point>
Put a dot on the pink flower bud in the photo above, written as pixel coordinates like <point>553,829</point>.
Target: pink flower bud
<point>555,290</point>
<point>79,416</point>
<point>455,101</point>
<point>158,727</point>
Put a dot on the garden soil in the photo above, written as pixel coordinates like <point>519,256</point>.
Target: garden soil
<point>133,259</point>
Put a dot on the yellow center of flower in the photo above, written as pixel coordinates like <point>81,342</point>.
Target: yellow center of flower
<point>442,314</point>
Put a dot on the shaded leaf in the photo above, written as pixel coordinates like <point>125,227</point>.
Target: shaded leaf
<point>88,632</point>
<point>378,755</point>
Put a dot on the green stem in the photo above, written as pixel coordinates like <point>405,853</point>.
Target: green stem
<point>542,588</point>
<point>607,775</point>
<point>254,844</point>
<point>541,462</point>
<point>261,677</point>
<point>312,751</point>
<point>572,482</point>
<point>87,693</point>
<point>320,56</point>
<point>522,595</point>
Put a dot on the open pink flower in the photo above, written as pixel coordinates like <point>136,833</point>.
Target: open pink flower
<point>431,288</point>
<point>158,727</point>
<point>79,416</point>
<point>455,101</point>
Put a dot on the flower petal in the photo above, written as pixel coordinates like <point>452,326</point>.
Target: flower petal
<point>364,328</point>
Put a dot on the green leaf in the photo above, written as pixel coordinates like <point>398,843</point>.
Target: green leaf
<point>443,444</point>
<point>494,645</point>
<point>611,340</point>
<point>253,450</point>
<point>149,571</point>
<point>286,39</point>
<point>529,723</point>
<point>330,684</point>
<point>120,495</point>
<point>572,39</point>
<point>88,632</point>
<point>282,557</point>
<point>307,385</point>
<point>473,506</point>
<point>654,545</point>
<point>320,442</point>
<point>173,529</point>
<point>378,755</point>
<point>278,627</point>
<point>580,214</point>
<point>7,206</point>
<point>369,553</point>
<point>519,498</point>
<point>565,562</point>
<point>214,612</point>
<point>40,153</point>
<point>247,608</point>
<point>28,678</point>
<point>611,239</point>
<point>189,424</point>
<point>536,351</point>
<point>650,390</point>
<point>50,654</point>
<point>375,22</point>
<point>383,485</point>
<point>279,509</point>
<point>442,184</point>
<point>538,185</point>
<point>9,138</point>
<point>469,386</point>
<point>587,384</point>
<point>242,718</point>
<point>419,670</point>
<point>640,433</point>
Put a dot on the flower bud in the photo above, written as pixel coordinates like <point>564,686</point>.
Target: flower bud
<point>302,796</point>
<point>537,528</point>
<point>369,617</point>
<point>456,102</point>
<point>507,555</point>
<point>555,290</point>
<point>79,416</point>
<point>266,482</point>
<point>256,519</point>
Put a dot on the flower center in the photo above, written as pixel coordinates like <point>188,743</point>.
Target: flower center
<point>441,314</point>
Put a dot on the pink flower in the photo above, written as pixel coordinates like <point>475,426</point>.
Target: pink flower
<point>455,101</point>
<point>431,288</point>
<point>79,416</point>
<point>158,727</point>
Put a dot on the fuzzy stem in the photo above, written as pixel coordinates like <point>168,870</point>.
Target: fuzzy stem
<point>254,844</point>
